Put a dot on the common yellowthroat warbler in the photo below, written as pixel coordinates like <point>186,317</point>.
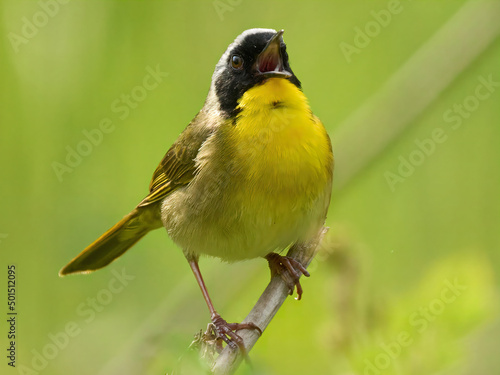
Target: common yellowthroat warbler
<point>250,175</point>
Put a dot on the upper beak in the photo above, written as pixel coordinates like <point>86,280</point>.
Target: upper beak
<point>270,62</point>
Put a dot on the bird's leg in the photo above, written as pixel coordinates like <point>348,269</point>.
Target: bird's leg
<point>225,330</point>
<point>289,269</point>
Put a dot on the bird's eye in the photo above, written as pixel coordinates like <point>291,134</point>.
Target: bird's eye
<point>237,62</point>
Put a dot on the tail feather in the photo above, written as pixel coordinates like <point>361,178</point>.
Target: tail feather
<point>110,245</point>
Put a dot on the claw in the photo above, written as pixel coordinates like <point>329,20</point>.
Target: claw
<point>289,269</point>
<point>227,332</point>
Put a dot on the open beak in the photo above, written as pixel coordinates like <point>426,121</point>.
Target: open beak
<point>270,62</point>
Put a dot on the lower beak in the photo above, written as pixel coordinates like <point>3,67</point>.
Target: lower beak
<point>270,62</point>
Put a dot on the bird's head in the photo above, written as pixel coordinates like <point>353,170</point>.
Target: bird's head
<point>255,56</point>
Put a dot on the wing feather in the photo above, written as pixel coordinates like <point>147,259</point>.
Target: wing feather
<point>178,166</point>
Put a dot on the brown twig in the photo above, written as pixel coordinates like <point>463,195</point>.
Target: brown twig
<point>266,307</point>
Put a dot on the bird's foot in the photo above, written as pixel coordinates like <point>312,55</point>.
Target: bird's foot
<point>227,332</point>
<point>289,269</point>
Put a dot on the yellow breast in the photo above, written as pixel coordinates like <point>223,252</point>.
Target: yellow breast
<point>283,147</point>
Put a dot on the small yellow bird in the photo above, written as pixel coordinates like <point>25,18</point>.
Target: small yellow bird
<point>250,175</point>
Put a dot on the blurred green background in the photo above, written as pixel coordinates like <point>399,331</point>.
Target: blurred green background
<point>407,280</point>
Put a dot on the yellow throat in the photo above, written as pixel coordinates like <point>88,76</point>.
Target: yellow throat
<point>281,143</point>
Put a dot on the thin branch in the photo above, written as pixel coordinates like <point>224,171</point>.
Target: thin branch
<point>266,307</point>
